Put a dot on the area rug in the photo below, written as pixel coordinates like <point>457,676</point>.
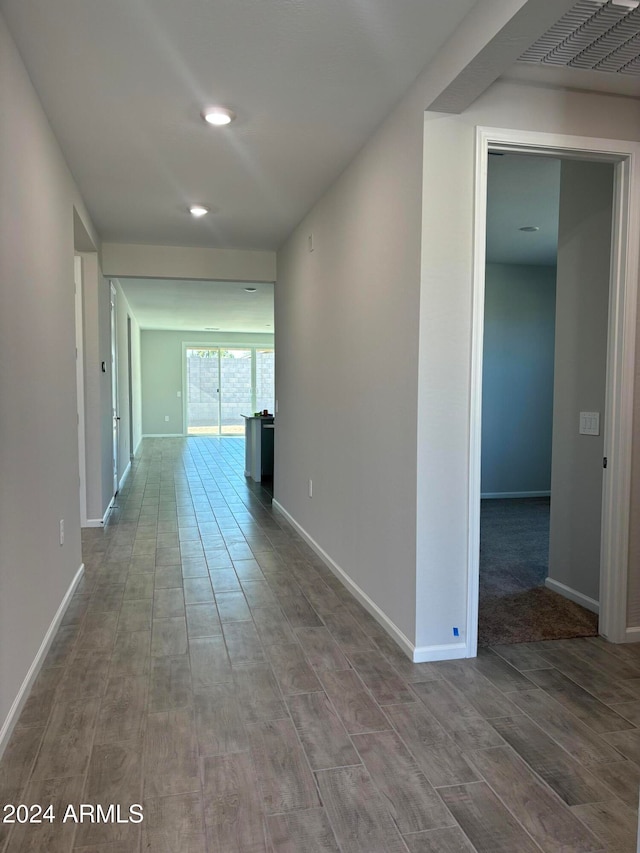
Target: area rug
<point>532,615</point>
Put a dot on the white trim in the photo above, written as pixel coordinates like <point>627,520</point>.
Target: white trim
<point>125,475</point>
<point>94,522</point>
<point>163,435</point>
<point>379,615</point>
<point>618,415</point>
<point>631,635</point>
<point>23,694</point>
<point>573,595</point>
<point>79,328</point>
<point>500,495</point>
<point>452,651</point>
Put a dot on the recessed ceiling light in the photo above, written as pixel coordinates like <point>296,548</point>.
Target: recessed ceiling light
<point>212,328</point>
<point>198,210</point>
<point>530,228</point>
<point>251,289</point>
<point>218,116</point>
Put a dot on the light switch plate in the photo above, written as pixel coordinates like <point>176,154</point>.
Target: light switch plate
<point>589,423</point>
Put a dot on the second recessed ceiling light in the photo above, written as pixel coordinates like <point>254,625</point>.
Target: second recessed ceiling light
<point>218,116</point>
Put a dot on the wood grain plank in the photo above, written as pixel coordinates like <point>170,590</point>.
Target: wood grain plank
<point>169,637</point>
<point>50,837</point>
<point>596,682</point>
<point>623,778</point>
<point>381,678</point>
<point>346,631</point>
<point>203,621</point>
<point>548,820</point>
<point>123,709</point>
<point>210,662</point>
<point>85,675</point>
<point>131,653</point>
<point>449,840</point>
<point>360,819</point>
<point>170,685</point>
<point>499,672</point>
<point>412,801</point>
<point>323,736</point>
<point>258,594</point>
<point>293,673</point>
<point>233,809</point>
<point>566,729</point>
<point>354,705</point>
<point>114,776</point>
<point>478,691</point>
<point>595,714</point>
<point>434,751</point>
<point>272,626</point>
<point>521,656</point>
<point>285,780</point>
<point>258,695</point>
<point>243,643</point>
<point>174,824</point>
<point>308,831</point>
<point>219,725</point>
<point>485,821</point>
<point>572,782</point>
<point>232,607</point>
<point>403,665</point>
<point>135,616</point>
<point>321,649</point>
<point>168,603</point>
<point>66,745</point>
<point>298,611</point>
<point>171,754</point>
<point>613,823</point>
<point>456,715</point>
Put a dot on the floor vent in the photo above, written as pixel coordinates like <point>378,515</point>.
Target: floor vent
<point>599,35</point>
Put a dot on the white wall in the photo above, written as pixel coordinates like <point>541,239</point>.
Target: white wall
<point>391,505</point>
<point>347,319</point>
<point>517,379</point>
<point>449,146</point>
<point>162,373</point>
<point>584,260</point>
<point>38,428</point>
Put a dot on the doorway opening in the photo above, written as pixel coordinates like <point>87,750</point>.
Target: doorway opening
<point>224,383</point>
<point>615,403</point>
<point>548,253</point>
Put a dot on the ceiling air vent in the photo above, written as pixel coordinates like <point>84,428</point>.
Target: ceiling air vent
<point>599,35</point>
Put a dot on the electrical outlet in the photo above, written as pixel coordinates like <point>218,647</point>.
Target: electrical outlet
<point>62,531</point>
<point>310,488</point>
<point>166,417</point>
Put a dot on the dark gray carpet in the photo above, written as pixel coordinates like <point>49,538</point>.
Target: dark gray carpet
<point>515,606</point>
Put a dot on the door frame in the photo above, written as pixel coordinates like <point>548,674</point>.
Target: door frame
<point>82,452</point>
<point>113,302</point>
<point>618,414</point>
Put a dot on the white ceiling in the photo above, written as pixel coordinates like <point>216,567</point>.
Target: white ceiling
<point>123,83</point>
<point>522,191</point>
<point>200,305</point>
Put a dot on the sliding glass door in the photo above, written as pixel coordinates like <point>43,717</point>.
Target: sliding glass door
<point>224,383</point>
<point>203,391</point>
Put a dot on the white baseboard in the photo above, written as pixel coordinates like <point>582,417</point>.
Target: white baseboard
<point>500,495</point>
<point>125,475</point>
<point>452,651</point>
<point>417,655</point>
<point>163,435</point>
<point>631,635</point>
<point>94,522</point>
<point>573,595</point>
<point>23,694</point>
<point>135,452</point>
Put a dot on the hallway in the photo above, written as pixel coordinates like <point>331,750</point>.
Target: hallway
<point>211,668</point>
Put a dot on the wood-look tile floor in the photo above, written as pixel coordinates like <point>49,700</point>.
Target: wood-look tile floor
<point>211,668</point>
